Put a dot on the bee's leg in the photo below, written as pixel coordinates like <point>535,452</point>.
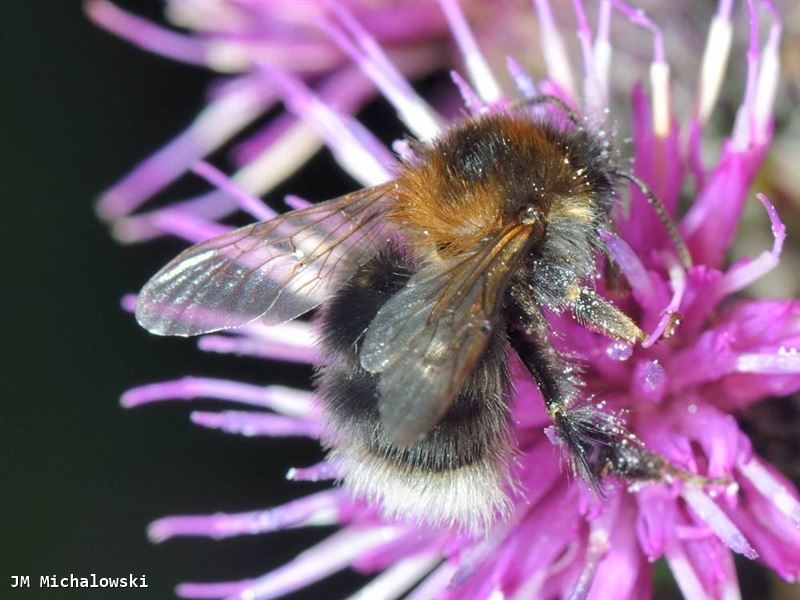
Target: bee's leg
<point>553,374</point>
<point>600,315</point>
<point>597,442</point>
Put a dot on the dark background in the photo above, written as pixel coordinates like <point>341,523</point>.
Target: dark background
<point>82,476</point>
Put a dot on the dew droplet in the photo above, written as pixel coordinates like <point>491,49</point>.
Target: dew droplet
<point>654,376</point>
<point>618,350</point>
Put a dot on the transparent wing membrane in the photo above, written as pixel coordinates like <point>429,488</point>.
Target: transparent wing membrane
<point>276,270</point>
<point>428,337</point>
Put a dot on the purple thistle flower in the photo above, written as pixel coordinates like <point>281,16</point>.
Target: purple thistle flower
<point>710,353</point>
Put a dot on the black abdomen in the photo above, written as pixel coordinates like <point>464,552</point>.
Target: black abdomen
<point>468,447</point>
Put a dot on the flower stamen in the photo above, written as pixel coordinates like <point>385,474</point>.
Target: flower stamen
<point>715,60</point>
<point>479,72</point>
<point>363,50</point>
<point>317,510</point>
<point>553,49</point>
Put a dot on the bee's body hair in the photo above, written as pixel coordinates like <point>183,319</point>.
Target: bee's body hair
<point>458,473</point>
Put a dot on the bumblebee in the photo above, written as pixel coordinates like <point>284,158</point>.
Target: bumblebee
<point>427,284</point>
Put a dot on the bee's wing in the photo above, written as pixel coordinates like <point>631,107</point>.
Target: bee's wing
<point>276,270</point>
<point>426,339</point>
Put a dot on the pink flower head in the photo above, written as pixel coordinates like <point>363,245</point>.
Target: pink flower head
<point>709,352</point>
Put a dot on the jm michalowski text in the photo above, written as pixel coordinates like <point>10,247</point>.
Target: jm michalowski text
<point>91,580</point>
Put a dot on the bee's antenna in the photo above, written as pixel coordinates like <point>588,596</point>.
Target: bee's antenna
<point>548,99</point>
<point>661,211</point>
